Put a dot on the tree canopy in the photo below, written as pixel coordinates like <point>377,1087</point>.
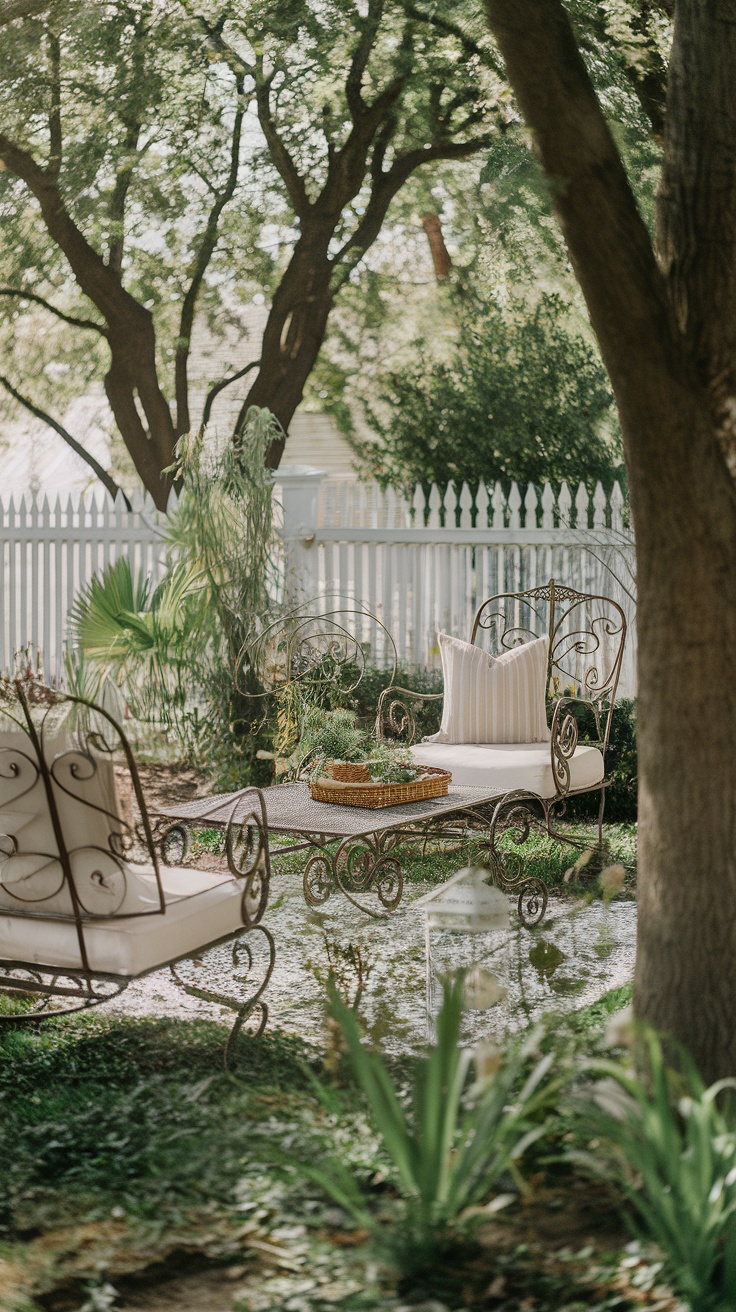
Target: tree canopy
<point>524,397</point>
<point>163,161</point>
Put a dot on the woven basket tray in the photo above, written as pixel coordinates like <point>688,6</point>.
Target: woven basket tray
<point>349,772</point>
<point>432,783</point>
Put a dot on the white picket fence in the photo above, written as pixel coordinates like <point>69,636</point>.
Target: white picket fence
<point>418,565</point>
<point>48,551</point>
<point>426,565</point>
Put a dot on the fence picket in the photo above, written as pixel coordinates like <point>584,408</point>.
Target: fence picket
<point>530,507</point>
<point>581,506</point>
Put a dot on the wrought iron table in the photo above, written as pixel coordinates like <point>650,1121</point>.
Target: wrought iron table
<point>353,849</point>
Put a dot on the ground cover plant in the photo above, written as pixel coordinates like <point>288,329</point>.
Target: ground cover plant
<point>462,1137</point>
<point>122,1147</point>
<point>671,1143</point>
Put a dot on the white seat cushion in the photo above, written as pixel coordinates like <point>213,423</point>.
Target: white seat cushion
<point>201,907</point>
<point>504,767</point>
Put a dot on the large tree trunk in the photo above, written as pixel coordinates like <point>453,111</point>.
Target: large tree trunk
<point>668,359</point>
<point>685,520</point>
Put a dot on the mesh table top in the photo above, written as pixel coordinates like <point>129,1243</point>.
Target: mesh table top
<point>291,810</point>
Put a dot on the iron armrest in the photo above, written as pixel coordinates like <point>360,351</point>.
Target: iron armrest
<point>565,736</point>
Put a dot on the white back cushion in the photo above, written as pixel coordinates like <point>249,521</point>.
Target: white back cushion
<point>493,699</point>
<point>31,874</point>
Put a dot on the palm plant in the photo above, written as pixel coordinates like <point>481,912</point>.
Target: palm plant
<point>454,1144</point>
<point>144,642</point>
<point>673,1149</point>
<point>176,652</point>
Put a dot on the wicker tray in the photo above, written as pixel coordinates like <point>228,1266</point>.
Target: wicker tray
<point>349,772</point>
<point>432,783</point>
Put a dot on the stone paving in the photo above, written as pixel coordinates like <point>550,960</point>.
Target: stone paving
<point>581,950</point>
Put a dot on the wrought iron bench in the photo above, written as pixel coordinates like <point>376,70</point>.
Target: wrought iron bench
<point>534,781</point>
<point>85,904</point>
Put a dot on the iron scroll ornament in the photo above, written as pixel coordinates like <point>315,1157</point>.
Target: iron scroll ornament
<point>574,628</point>
<point>315,648</point>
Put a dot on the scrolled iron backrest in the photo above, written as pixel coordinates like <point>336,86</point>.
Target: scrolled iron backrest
<point>66,847</point>
<point>587,634</point>
<point>314,645</point>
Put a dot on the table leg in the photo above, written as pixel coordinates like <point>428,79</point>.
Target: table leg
<point>365,864</point>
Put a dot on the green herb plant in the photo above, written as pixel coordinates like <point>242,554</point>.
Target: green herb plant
<point>672,1145</point>
<point>456,1141</point>
<point>336,736</point>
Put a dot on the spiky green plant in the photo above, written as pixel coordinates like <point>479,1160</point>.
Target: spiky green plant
<point>455,1142</point>
<point>672,1145</point>
<point>176,652</point>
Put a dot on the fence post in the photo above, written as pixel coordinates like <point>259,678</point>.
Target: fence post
<point>298,492</point>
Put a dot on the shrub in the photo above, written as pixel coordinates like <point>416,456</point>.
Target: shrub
<point>524,397</point>
<point>621,804</point>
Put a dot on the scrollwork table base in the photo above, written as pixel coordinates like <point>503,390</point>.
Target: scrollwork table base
<point>355,851</point>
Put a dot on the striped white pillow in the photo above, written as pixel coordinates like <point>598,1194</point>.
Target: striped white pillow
<point>493,699</point>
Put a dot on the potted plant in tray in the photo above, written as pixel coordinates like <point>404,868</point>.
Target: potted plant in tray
<point>337,755</point>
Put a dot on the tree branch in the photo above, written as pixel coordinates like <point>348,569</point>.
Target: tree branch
<point>118,198</point>
<point>108,482</point>
<point>101,284</point>
<point>359,61</point>
<point>124,176</point>
<point>55,142</point>
<point>67,318</point>
<point>385,187</point>
<point>449,28</point>
<point>219,387</point>
<point>279,152</point>
<point>236,63</point>
<point>200,263</point>
<point>591,197</point>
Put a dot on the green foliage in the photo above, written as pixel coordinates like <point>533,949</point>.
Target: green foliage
<point>177,654</point>
<point>332,735</point>
<point>364,697</point>
<point>336,736</point>
<point>523,398</point>
<point>674,1153</point>
<point>129,1113</point>
<point>456,1141</point>
<point>143,641</point>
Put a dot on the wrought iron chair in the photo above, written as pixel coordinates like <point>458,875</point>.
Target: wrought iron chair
<point>586,634</point>
<point>85,904</point>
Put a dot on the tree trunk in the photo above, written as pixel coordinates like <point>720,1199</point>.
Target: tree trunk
<point>294,333</point>
<point>662,335</point>
<point>436,238</point>
<point>685,525</point>
<point>132,375</point>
